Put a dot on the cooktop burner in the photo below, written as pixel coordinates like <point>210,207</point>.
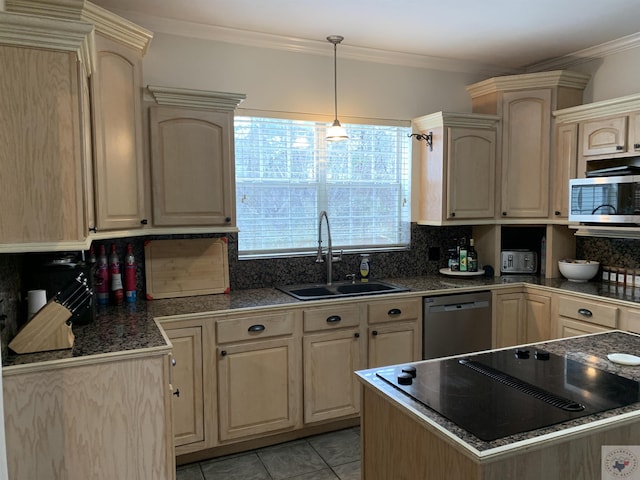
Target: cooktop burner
<point>497,394</point>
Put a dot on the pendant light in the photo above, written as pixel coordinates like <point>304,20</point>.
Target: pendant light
<point>336,132</point>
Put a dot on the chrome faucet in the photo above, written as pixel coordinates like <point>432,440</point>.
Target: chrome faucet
<point>329,258</point>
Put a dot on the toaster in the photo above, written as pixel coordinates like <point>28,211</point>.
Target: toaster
<point>518,261</point>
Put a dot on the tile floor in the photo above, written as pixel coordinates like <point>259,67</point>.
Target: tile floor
<point>330,456</point>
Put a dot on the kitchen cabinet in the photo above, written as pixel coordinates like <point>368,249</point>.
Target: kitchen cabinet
<point>259,367</point>
<point>332,350</point>
<point>566,164</point>
<point>187,383</point>
<point>192,157</point>
<point>525,103</point>
<point>394,331</point>
<point>630,319</point>
<point>576,316</point>
<point>104,419</point>
<point>458,172</point>
<point>117,122</point>
<point>45,64</point>
<point>520,317</point>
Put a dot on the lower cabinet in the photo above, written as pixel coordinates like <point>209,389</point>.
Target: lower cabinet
<point>394,331</point>
<point>520,317</point>
<point>187,383</point>
<point>575,316</point>
<point>332,351</point>
<point>259,374</point>
<point>102,420</point>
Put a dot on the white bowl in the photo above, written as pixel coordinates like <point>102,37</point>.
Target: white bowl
<point>578,270</point>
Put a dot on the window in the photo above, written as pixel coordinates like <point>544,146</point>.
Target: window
<point>287,173</point>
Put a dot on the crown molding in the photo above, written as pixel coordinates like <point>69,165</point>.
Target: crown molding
<point>556,78</point>
<point>588,54</point>
<point>614,106</point>
<point>185,97</point>
<point>314,47</point>
<point>53,34</point>
<point>106,22</point>
<point>449,119</point>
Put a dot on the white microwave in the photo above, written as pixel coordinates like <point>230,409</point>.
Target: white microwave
<point>605,199</point>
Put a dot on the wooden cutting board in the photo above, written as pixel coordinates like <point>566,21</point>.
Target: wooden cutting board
<point>187,267</point>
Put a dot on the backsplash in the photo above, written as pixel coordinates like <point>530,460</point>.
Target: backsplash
<point>618,252</point>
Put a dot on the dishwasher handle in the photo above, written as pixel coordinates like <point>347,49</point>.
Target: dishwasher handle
<point>454,307</point>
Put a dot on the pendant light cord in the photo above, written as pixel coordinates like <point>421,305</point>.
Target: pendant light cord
<point>335,79</point>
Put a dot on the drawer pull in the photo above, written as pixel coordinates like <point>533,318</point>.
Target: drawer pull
<point>394,312</point>
<point>223,353</point>
<point>256,328</point>
<point>585,312</point>
<point>177,393</point>
<point>374,333</point>
<point>334,319</point>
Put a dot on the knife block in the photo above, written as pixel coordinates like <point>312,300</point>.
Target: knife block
<point>47,330</point>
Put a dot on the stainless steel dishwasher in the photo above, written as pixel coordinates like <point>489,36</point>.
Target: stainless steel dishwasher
<point>456,324</point>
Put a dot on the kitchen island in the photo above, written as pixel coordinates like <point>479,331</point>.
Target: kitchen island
<point>404,439</point>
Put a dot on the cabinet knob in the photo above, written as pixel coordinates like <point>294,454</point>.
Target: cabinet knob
<point>223,353</point>
<point>256,328</point>
<point>173,362</point>
<point>356,335</point>
<point>557,212</point>
<point>334,319</point>
<point>227,219</point>
<point>374,333</point>
<point>619,148</point>
<point>453,214</point>
<point>394,312</point>
<point>177,392</point>
<point>504,214</point>
<point>585,312</point>
<point>93,229</point>
<point>636,146</point>
<point>144,221</point>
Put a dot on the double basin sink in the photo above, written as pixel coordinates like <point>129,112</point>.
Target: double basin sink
<point>340,289</point>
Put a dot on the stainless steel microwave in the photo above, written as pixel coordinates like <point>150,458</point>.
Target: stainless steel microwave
<point>605,199</point>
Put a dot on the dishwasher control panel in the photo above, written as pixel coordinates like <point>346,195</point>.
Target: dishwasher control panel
<point>518,261</point>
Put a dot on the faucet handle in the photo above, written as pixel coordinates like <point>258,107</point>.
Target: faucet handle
<point>351,276</point>
<point>336,258</point>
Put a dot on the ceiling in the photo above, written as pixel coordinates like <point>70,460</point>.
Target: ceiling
<point>506,34</point>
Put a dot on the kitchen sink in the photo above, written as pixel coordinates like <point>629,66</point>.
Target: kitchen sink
<point>340,289</point>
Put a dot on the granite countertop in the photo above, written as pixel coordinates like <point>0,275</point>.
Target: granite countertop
<point>590,350</point>
<point>132,327</point>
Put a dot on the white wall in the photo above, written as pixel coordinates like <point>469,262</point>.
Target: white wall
<point>297,82</point>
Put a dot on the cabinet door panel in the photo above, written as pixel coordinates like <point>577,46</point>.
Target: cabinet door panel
<point>508,312</point>
<point>572,328</point>
<point>393,344</point>
<point>471,173</point>
<point>258,387</point>
<point>117,86</point>
<point>330,387</point>
<point>192,175</point>
<point>604,136</point>
<point>566,159</point>
<point>537,318</point>
<point>188,410</point>
<point>525,153</point>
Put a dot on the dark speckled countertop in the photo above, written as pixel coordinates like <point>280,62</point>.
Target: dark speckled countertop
<point>132,327</point>
<point>590,350</point>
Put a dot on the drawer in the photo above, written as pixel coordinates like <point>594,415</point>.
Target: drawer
<point>391,311</point>
<point>254,327</point>
<point>331,317</point>
<point>583,310</point>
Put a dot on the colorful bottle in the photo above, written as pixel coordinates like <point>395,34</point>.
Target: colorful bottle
<point>102,278</point>
<point>117,294</point>
<point>130,293</point>
<point>463,256</point>
<point>472,257</point>
<point>365,267</point>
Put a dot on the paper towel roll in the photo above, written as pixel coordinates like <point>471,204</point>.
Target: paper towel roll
<point>36,299</point>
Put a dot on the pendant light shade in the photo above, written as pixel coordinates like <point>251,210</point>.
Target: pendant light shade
<point>336,132</point>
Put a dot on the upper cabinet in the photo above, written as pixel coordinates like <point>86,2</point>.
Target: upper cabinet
<point>525,103</point>
<point>457,168</point>
<point>43,150</point>
<point>117,121</point>
<point>192,157</point>
<point>608,132</point>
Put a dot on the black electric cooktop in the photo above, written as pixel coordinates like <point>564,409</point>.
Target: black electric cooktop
<point>497,394</point>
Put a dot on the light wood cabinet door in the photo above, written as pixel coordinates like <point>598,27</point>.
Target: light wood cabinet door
<point>568,327</point>
<point>101,421</point>
<point>471,175</point>
<point>188,395</point>
<point>508,314</point>
<point>117,136</point>
<point>604,136</point>
<point>259,387</point>
<point>330,386</point>
<point>42,151</point>
<point>566,161</point>
<point>525,153</point>
<point>192,167</point>
<point>537,318</point>
<point>394,343</point>
<point>634,132</point>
